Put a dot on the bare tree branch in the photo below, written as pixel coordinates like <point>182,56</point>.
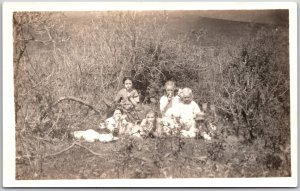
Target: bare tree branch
<point>71,146</point>
<point>79,101</point>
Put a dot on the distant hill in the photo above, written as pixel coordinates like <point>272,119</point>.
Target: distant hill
<point>274,17</point>
<point>218,27</point>
<point>215,31</point>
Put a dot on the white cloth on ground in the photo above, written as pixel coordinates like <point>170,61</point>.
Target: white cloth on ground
<point>91,135</point>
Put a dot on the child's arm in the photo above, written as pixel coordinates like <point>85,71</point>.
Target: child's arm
<point>133,101</point>
<point>164,104</point>
<point>143,123</point>
<point>134,98</point>
<point>143,126</point>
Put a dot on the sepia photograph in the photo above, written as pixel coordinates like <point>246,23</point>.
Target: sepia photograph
<point>151,94</point>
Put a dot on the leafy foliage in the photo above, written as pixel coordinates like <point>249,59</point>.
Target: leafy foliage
<point>255,90</point>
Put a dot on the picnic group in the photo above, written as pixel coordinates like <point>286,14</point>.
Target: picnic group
<point>179,115</point>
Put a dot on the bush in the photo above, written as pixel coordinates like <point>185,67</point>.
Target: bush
<point>254,92</point>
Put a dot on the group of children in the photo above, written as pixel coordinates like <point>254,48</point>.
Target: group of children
<point>178,113</point>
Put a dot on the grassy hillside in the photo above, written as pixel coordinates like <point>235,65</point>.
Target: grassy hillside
<point>71,65</point>
<point>226,26</point>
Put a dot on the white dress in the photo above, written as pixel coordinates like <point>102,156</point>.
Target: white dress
<point>169,109</point>
<point>187,115</point>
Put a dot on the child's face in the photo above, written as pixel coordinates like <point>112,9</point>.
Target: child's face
<point>170,91</point>
<point>151,117</point>
<point>128,84</point>
<point>186,98</point>
<point>117,114</point>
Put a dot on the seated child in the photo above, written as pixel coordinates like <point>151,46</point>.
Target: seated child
<point>169,110</point>
<point>128,99</point>
<point>149,124</point>
<point>206,129</point>
<point>169,102</point>
<point>188,111</point>
<point>152,126</point>
<point>117,123</point>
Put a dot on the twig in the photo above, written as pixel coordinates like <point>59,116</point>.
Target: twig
<point>79,101</point>
<point>27,154</point>
<point>145,159</point>
<point>54,124</point>
<point>275,85</point>
<point>283,93</point>
<point>64,150</point>
<point>94,153</point>
<point>41,139</point>
<point>73,144</point>
<point>25,147</point>
<point>37,84</point>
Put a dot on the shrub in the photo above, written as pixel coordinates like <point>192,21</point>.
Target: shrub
<point>254,92</point>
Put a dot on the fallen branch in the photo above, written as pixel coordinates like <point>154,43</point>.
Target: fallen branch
<point>145,159</point>
<point>77,100</point>
<point>94,153</point>
<point>72,145</point>
<point>200,158</point>
<point>64,150</point>
<point>108,103</point>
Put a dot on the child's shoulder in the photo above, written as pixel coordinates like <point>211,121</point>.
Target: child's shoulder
<point>163,97</point>
<point>177,98</point>
<point>158,120</point>
<point>110,119</point>
<point>122,90</point>
<point>194,104</point>
<point>144,121</point>
<point>134,91</point>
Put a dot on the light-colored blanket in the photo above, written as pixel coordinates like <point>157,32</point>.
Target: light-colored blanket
<point>91,136</point>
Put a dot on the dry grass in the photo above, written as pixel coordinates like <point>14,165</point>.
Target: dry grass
<point>66,75</point>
